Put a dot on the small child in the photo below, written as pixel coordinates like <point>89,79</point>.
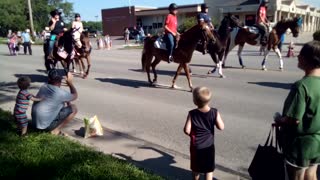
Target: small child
<point>200,126</point>
<point>290,50</point>
<point>22,103</point>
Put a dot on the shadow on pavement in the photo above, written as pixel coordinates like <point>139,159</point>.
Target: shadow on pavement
<point>273,84</point>
<point>160,165</point>
<point>34,77</point>
<point>125,82</point>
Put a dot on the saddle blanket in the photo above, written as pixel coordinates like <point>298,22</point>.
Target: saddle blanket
<point>254,29</point>
<point>160,43</point>
<point>63,54</point>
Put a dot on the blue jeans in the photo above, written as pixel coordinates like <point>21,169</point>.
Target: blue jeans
<point>52,40</point>
<point>169,38</point>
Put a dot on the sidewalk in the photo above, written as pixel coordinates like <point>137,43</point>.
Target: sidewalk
<point>167,163</point>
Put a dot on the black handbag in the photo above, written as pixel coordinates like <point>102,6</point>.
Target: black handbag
<point>268,162</point>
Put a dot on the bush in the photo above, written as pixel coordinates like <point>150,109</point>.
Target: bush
<point>316,35</point>
<point>191,21</point>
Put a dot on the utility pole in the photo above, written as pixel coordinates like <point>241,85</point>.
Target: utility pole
<point>30,17</point>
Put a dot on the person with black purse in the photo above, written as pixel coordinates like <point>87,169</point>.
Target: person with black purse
<point>300,120</point>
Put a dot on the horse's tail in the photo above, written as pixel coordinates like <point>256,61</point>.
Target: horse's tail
<point>143,60</point>
<point>144,55</point>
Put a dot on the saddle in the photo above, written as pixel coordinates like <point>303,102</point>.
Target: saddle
<point>252,29</point>
<point>160,43</point>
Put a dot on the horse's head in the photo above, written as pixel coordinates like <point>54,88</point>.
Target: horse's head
<point>85,40</point>
<point>295,26</point>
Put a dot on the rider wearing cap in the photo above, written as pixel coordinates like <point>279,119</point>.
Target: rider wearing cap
<point>262,20</point>
<point>171,29</point>
<point>56,26</point>
<point>77,30</point>
<point>203,17</point>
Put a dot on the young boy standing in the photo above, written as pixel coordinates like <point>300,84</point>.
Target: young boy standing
<point>200,126</point>
<point>22,103</point>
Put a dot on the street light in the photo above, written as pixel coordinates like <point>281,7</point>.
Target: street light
<point>96,22</point>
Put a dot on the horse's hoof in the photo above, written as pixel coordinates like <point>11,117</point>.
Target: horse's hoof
<point>174,86</point>
<point>281,69</point>
<point>222,76</point>
<point>264,69</point>
<point>243,67</point>
<point>75,71</point>
<point>154,83</point>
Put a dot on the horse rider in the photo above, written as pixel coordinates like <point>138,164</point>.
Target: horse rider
<point>203,17</point>
<point>171,30</point>
<point>56,26</point>
<point>77,27</point>
<point>262,21</point>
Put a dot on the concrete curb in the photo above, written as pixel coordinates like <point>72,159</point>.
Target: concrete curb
<point>147,155</point>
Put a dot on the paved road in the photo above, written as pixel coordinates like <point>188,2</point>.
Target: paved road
<point>118,93</point>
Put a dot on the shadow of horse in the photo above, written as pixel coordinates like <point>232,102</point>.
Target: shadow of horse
<point>34,77</point>
<point>286,86</point>
<point>125,82</point>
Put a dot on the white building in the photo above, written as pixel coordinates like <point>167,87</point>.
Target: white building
<point>245,10</point>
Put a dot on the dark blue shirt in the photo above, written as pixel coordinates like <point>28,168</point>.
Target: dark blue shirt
<point>204,17</point>
<point>202,128</point>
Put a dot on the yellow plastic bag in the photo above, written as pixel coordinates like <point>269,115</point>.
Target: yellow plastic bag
<point>92,127</point>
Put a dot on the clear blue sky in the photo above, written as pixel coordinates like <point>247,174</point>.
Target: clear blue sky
<point>91,8</point>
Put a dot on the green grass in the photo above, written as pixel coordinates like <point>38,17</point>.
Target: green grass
<point>44,156</point>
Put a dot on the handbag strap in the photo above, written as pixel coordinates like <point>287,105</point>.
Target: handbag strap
<point>269,141</point>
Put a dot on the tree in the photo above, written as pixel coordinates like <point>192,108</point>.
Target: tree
<point>316,35</point>
<point>14,14</point>
<point>191,21</point>
<point>92,25</point>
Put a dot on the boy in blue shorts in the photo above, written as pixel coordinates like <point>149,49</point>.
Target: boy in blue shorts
<point>22,103</point>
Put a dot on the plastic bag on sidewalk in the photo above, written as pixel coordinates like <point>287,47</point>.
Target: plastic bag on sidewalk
<point>92,127</point>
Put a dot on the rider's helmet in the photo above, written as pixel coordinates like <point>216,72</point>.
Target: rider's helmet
<point>204,7</point>
<point>173,7</point>
<point>264,2</point>
<point>55,12</point>
<point>76,15</point>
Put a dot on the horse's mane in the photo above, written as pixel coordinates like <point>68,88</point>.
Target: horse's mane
<point>223,29</point>
<point>190,31</point>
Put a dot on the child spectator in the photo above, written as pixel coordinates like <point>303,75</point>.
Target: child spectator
<point>22,103</point>
<point>200,126</point>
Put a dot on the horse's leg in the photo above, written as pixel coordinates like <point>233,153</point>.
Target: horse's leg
<point>277,51</point>
<point>176,76</point>
<point>239,55</point>
<point>153,65</point>
<point>88,65</point>
<point>215,60</point>
<point>263,64</point>
<point>186,70</point>
<point>148,64</point>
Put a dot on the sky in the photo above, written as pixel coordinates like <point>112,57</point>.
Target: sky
<point>89,9</point>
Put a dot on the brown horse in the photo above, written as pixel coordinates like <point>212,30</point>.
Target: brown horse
<point>84,54</point>
<point>242,35</point>
<point>182,54</point>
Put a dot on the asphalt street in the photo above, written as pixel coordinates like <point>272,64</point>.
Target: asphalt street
<point>118,92</point>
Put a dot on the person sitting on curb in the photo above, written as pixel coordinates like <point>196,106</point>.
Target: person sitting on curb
<point>56,110</point>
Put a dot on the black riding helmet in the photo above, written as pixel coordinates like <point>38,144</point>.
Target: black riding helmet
<point>76,15</point>
<point>173,7</point>
<point>55,12</point>
<point>204,7</point>
<point>264,2</point>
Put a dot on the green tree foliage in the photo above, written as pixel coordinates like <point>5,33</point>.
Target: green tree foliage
<point>14,14</point>
<point>191,21</point>
<point>92,25</point>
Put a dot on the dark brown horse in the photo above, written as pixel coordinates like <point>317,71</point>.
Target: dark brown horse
<point>83,54</point>
<point>219,49</point>
<point>64,41</point>
<point>182,54</point>
<point>240,36</point>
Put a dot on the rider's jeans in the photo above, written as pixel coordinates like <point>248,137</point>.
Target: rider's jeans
<point>52,40</point>
<point>170,42</point>
<point>264,28</point>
